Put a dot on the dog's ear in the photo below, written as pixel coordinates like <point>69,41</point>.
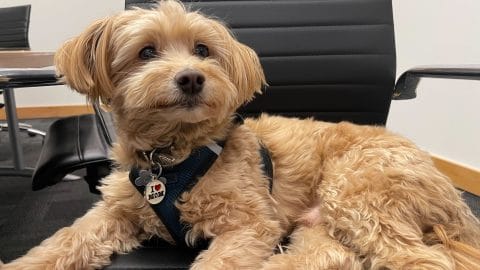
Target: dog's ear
<point>84,61</point>
<point>246,70</point>
<point>242,64</point>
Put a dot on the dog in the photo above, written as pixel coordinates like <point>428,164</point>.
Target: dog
<point>347,196</point>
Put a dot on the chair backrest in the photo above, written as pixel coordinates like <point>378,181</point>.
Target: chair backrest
<point>330,59</point>
<point>14,23</point>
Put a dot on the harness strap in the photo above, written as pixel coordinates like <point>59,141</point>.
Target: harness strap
<point>179,178</point>
<point>267,165</point>
<point>175,180</point>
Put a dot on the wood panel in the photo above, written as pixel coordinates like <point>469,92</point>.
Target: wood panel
<point>25,59</point>
<point>463,177</point>
<point>49,111</point>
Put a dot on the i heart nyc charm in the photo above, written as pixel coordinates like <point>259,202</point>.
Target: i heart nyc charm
<point>155,191</point>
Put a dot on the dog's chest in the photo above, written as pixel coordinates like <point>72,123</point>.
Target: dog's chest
<point>222,201</point>
<point>232,192</point>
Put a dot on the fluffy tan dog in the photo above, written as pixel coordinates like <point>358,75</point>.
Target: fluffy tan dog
<point>350,197</point>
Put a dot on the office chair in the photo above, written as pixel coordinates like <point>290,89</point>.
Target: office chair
<point>14,28</point>
<point>331,60</point>
<point>14,33</point>
<point>327,59</point>
<point>14,22</point>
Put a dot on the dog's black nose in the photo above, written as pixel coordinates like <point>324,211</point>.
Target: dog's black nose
<point>190,81</point>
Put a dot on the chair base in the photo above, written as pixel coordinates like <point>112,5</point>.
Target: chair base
<point>27,128</point>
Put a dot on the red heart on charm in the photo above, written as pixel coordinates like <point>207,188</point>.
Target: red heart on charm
<point>158,187</point>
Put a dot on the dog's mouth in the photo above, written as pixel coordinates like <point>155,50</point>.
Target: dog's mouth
<point>190,102</point>
<point>187,102</point>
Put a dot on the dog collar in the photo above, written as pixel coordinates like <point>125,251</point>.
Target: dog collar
<point>162,186</point>
<point>162,155</point>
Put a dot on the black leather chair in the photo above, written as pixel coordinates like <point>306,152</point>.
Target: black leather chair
<point>328,59</point>
<point>74,143</point>
<point>14,26</point>
<point>15,22</point>
<point>332,60</point>
<point>14,33</point>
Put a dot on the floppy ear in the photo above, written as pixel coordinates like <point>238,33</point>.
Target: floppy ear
<point>246,71</point>
<point>242,64</point>
<point>84,61</point>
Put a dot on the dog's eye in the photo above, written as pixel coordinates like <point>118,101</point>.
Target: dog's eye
<point>201,50</point>
<point>148,52</point>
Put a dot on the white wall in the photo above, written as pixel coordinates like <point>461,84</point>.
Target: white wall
<point>445,117</point>
<point>51,23</point>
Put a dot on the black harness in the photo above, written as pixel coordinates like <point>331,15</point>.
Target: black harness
<point>161,187</point>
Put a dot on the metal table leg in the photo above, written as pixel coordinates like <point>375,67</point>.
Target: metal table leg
<point>14,137</point>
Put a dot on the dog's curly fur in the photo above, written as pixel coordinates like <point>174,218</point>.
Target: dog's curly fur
<point>350,197</point>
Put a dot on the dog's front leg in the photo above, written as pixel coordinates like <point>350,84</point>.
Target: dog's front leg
<point>87,244</point>
<point>244,248</point>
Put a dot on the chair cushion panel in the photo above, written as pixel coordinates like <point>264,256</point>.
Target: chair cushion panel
<point>318,40</point>
<point>296,12</point>
<point>331,69</point>
<point>361,98</point>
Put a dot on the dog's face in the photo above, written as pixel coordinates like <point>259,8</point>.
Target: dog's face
<point>161,65</point>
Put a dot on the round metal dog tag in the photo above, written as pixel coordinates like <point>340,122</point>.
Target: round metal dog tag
<point>155,191</point>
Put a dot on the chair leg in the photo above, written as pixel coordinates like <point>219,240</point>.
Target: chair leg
<point>33,132</point>
<point>25,127</point>
<point>10,110</point>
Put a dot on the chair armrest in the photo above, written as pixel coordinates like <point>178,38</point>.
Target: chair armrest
<point>406,86</point>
